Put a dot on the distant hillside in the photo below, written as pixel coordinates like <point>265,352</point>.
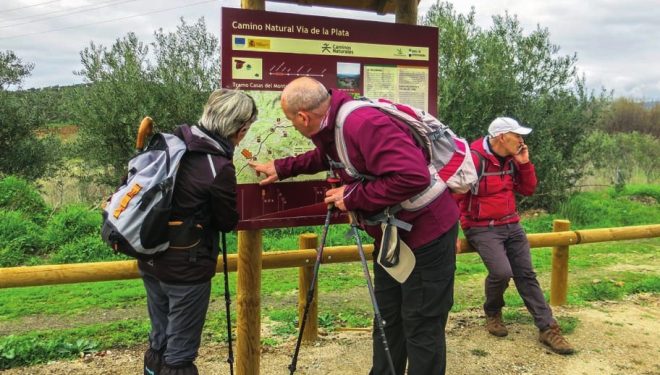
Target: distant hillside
<point>651,104</point>
<point>53,104</point>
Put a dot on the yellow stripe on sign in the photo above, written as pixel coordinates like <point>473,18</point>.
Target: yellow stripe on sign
<point>328,47</point>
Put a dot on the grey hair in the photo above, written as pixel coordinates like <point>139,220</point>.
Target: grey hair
<point>227,111</point>
<point>308,96</point>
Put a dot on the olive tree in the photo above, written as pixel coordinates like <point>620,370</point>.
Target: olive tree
<point>168,79</point>
<point>504,71</point>
<point>24,152</point>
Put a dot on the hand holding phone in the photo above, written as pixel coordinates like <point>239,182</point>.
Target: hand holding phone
<point>522,155</point>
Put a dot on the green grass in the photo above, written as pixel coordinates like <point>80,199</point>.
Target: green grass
<point>70,300</point>
<point>635,205</point>
<point>41,346</point>
<point>597,291</point>
<point>96,316</point>
<point>479,352</point>
<point>568,324</point>
<point>343,301</point>
<point>521,316</point>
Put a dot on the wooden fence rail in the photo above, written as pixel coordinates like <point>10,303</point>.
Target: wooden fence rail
<point>250,258</point>
<point>53,274</point>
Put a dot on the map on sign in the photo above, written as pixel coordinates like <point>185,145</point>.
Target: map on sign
<point>271,137</point>
<point>263,51</point>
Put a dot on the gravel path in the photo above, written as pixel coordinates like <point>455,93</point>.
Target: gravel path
<point>611,338</point>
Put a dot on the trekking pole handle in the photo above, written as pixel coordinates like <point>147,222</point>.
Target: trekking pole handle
<point>145,130</point>
<point>334,182</point>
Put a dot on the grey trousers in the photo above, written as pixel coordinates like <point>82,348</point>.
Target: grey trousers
<point>504,250</point>
<point>177,314</point>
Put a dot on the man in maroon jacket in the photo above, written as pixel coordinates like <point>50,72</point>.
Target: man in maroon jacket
<point>416,310</point>
<point>491,224</point>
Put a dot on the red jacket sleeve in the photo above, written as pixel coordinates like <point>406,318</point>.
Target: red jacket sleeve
<point>525,180</point>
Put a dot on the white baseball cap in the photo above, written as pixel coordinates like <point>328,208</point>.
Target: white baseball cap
<point>395,255</point>
<point>503,125</point>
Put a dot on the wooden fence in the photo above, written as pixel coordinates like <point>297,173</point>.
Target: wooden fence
<point>251,258</point>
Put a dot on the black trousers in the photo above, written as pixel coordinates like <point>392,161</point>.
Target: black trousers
<point>416,311</point>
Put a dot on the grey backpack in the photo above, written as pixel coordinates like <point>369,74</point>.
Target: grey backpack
<point>450,164</point>
<point>136,216</point>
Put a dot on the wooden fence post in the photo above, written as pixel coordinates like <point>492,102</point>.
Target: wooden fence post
<point>248,302</point>
<point>559,278</point>
<point>253,4</point>
<point>248,275</point>
<point>406,12</point>
<point>305,275</point>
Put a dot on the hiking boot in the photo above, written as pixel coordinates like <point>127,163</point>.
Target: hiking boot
<point>552,338</point>
<point>495,326</point>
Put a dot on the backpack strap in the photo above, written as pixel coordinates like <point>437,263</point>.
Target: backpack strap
<point>419,201</point>
<point>387,216</point>
<point>481,172</point>
<point>340,142</point>
<point>481,168</point>
<point>192,255</point>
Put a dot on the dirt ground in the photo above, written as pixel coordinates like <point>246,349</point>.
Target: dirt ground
<point>611,338</point>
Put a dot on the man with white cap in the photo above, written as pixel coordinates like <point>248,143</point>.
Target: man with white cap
<point>491,224</point>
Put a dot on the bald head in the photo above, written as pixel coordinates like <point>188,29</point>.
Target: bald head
<point>304,94</point>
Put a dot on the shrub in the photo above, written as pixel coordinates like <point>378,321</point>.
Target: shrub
<point>611,208</point>
<point>12,256</point>
<point>601,291</point>
<point>635,191</point>
<point>71,223</point>
<point>618,156</point>
<point>507,70</point>
<point>19,238</point>
<point>86,249</point>
<point>20,351</point>
<point>18,195</point>
<point>648,285</point>
<point>539,224</point>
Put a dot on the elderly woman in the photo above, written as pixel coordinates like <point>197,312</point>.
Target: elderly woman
<point>178,281</point>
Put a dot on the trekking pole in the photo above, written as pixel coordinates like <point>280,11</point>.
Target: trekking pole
<point>380,323</point>
<point>230,357</point>
<point>145,130</point>
<point>310,293</point>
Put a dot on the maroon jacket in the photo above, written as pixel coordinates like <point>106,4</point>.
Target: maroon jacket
<point>210,200</point>
<point>495,202</point>
<point>379,146</point>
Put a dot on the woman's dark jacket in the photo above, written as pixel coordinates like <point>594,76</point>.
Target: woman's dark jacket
<point>204,203</point>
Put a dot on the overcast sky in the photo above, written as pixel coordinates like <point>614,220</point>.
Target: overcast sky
<point>617,42</point>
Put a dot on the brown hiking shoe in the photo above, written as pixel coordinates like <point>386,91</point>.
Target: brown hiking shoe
<point>495,326</point>
<point>555,341</point>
